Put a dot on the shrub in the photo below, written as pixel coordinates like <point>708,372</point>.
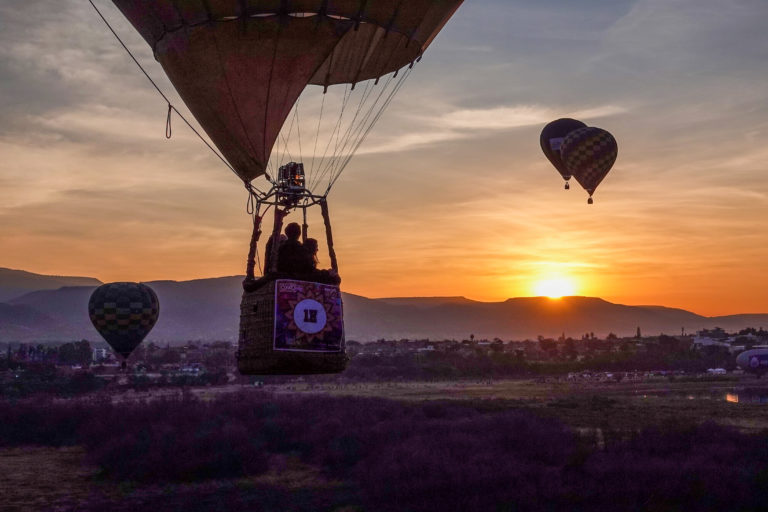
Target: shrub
<point>417,457</point>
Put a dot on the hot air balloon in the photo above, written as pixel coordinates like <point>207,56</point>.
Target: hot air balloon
<point>754,361</point>
<point>123,313</point>
<point>241,68</point>
<point>588,154</point>
<point>552,138</point>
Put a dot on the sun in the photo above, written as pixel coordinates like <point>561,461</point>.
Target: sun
<point>554,288</point>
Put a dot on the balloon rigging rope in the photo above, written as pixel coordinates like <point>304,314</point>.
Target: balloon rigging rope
<point>171,107</point>
<point>354,133</point>
<point>329,165</point>
<point>317,134</point>
<point>298,126</point>
<point>322,168</point>
<point>344,143</point>
<point>345,98</point>
<point>347,95</point>
<point>294,120</point>
<point>350,129</point>
<point>370,125</point>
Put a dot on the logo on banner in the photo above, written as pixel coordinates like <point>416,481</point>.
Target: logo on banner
<point>308,317</point>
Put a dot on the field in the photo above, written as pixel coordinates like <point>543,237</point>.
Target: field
<point>311,476</point>
<point>580,403</point>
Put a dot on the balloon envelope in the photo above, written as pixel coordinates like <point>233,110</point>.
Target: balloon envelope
<point>588,154</point>
<point>241,65</point>
<point>551,139</point>
<point>123,313</point>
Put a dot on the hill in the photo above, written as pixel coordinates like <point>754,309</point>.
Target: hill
<point>208,309</point>
<point>14,283</point>
<point>204,309</point>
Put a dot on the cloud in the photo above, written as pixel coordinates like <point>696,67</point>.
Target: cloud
<point>504,118</point>
<point>474,123</point>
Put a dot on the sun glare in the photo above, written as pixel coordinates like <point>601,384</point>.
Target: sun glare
<point>554,288</point>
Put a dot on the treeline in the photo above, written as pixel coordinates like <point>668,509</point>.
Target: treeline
<point>36,378</point>
<point>46,379</point>
<point>70,353</point>
<point>452,365</point>
<point>392,456</point>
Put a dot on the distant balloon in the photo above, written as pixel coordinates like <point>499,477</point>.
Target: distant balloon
<point>754,361</point>
<point>123,313</point>
<point>552,138</point>
<point>588,154</point>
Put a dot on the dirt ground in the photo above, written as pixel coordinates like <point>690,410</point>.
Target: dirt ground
<point>41,478</point>
<point>48,479</point>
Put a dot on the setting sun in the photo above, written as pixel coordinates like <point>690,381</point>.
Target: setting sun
<point>554,288</point>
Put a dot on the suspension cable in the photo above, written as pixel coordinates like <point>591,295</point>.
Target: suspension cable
<point>354,130</point>
<point>350,129</point>
<point>345,99</point>
<point>327,165</point>
<point>378,115</point>
<point>317,135</point>
<point>171,107</point>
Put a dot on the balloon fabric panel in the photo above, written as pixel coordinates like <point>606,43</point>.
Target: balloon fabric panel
<point>123,313</point>
<point>241,65</point>
<point>252,79</point>
<point>551,139</point>
<point>589,153</point>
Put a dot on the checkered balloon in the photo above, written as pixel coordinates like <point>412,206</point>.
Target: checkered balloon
<point>123,313</point>
<point>589,153</point>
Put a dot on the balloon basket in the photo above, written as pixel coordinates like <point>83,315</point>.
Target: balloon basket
<point>590,201</point>
<point>262,345</point>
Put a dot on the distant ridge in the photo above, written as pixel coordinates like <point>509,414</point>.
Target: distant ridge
<point>426,301</point>
<point>14,283</point>
<point>208,310</point>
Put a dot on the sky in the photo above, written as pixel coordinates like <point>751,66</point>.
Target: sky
<point>450,194</point>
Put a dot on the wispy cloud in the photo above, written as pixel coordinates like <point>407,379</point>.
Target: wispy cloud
<point>473,123</point>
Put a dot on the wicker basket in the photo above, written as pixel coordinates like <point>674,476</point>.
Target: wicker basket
<point>256,354</point>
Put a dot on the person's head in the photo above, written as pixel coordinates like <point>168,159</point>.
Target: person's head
<point>293,231</point>
<point>311,245</point>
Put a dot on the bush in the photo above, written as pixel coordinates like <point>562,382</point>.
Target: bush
<point>417,457</point>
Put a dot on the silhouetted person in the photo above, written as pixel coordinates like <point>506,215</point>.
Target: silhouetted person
<point>292,257</point>
<point>313,274</point>
<point>310,246</point>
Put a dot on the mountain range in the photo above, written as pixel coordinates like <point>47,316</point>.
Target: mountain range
<point>36,307</point>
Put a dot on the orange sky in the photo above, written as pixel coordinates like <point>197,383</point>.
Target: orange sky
<point>451,194</point>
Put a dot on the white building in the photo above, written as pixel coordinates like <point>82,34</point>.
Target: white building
<point>99,355</point>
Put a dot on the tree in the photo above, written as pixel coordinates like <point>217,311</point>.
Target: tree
<point>548,345</point>
<point>75,353</point>
<point>569,350</point>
